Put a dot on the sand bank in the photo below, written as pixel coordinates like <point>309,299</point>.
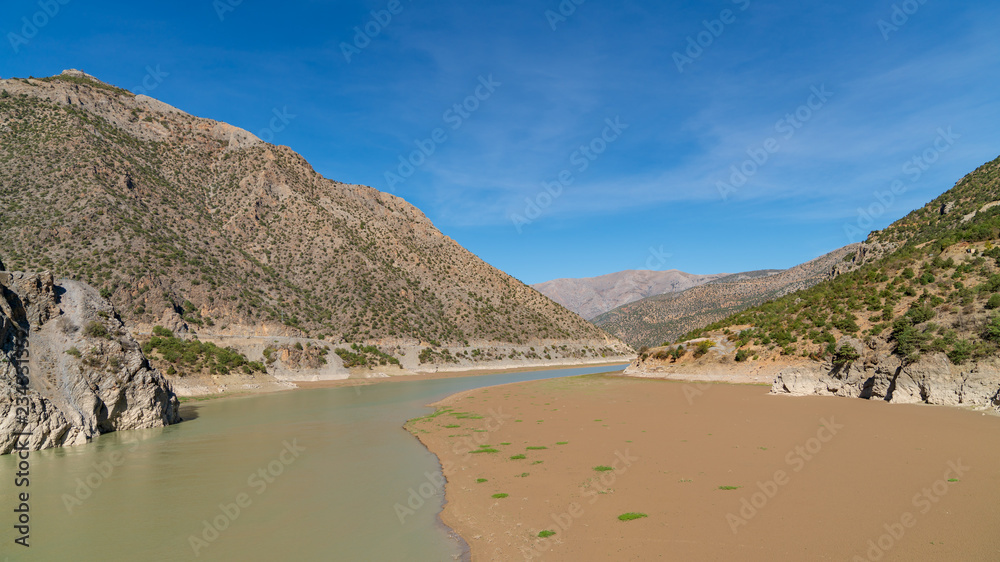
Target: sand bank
<point>722,472</point>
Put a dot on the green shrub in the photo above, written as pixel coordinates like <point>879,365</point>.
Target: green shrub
<point>994,302</point>
<point>961,353</point>
<point>96,330</point>
<point>846,354</point>
<point>703,347</point>
<point>908,339</point>
<point>920,314</point>
<point>992,332</point>
<point>846,324</point>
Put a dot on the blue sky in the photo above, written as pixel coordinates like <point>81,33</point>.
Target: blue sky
<point>657,191</point>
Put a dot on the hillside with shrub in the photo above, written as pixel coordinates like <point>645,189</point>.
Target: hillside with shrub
<point>196,225</point>
<point>664,318</point>
<point>934,298</point>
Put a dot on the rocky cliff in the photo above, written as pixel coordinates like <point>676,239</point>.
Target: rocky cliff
<point>880,375</point>
<point>68,369</point>
<point>876,373</point>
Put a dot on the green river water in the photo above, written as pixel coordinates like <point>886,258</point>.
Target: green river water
<point>301,475</point>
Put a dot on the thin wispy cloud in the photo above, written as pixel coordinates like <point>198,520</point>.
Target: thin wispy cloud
<point>656,183</point>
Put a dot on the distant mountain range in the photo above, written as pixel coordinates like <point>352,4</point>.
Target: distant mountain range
<point>664,318</point>
<point>590,297</point>
<point>648,308</point>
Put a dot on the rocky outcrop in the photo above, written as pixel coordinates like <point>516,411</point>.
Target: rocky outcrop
<point>865,252</point>
<point>882,376</point>
<point>877,374</point>
<point>68,369</point>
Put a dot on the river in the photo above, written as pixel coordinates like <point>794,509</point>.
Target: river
<point>326,474</point>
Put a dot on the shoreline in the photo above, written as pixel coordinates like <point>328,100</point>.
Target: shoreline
<point>692,518</point>
<point>366,381</point>
<point>434,375</point>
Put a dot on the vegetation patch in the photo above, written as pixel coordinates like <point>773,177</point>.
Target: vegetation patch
<point>193,356</point>
<point>365,356</point>
<point>96,330</point>
<point>631,516</point>
<point>431,355</point>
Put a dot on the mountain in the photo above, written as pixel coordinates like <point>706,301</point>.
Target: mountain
<point>590,297</point>
<point>664,318</point>
<point>198,224</point>
<point>912,317</point>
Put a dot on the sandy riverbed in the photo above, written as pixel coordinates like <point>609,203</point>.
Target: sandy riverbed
<point>815,478</point>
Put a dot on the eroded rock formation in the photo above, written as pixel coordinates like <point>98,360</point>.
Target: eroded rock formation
<point>880,375</point>
<point>69,371</point>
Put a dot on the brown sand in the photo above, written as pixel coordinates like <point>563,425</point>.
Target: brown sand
<point>827,474</point>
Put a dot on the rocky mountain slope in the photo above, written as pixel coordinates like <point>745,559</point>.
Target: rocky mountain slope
<point>664,318</point>
<point>200,226</point>
<point>917,319</point>
<point>69,371</point>
<point>592,296</point>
